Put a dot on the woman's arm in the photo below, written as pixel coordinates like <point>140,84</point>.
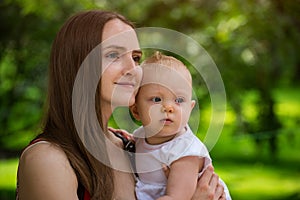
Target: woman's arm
<point>45,173</point>
<point>182,178</point>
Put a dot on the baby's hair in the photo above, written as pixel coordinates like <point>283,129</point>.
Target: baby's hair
<point>167,61</point>
<point>162,59</point>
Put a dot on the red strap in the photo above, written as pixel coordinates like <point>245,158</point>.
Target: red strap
<point>35,141</point>
<point>86,195</point>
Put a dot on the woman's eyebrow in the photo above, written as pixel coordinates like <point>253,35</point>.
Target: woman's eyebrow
<point>123,49</point>
<point>114,47</point>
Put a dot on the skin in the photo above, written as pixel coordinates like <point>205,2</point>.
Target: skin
<point>44,170</point>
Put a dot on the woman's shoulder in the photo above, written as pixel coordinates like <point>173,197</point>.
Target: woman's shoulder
<point>42,152</point>
<point>44,157</point>
<point>44,168</point>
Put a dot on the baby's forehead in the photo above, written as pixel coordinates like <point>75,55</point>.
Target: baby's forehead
<point>159,89</point>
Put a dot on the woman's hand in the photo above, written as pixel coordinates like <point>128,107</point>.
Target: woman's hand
<point>208,187</point>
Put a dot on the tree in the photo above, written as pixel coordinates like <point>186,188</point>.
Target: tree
<point>254,44</point>
<point>25,39</point>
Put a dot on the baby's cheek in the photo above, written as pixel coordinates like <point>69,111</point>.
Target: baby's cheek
<point>155,112</point>
<point>152,120</point>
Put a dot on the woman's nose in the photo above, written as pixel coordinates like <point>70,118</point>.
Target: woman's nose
<point>129,64</point>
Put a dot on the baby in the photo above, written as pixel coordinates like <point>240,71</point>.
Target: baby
<point>163,105</point>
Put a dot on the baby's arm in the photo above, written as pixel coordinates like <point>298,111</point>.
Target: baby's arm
<point>182,179</point>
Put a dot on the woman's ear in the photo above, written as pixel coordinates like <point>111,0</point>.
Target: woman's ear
<point>134,112</point>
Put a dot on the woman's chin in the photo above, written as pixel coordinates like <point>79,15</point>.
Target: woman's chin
<point>124,102</point>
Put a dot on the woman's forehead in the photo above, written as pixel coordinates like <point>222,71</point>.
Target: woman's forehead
<point>119,34</point>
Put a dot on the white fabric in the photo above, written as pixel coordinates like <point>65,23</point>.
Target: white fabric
<point>152,181</point>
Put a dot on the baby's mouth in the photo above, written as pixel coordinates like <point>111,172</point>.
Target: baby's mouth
<point>166,121</point>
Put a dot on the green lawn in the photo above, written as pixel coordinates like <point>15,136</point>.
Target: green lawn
<point>8,171</point>
<point>250,177</point>
<point>234,160</point>
<point>246,178</point>
<point>259,181</point>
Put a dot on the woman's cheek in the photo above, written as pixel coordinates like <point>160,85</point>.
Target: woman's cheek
<point>139,75</point>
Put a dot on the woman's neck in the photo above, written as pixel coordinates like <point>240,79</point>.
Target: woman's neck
<point>106,110</point>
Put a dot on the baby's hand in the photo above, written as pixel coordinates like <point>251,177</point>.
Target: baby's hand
<point>127,139</point>
<point>124,133</point>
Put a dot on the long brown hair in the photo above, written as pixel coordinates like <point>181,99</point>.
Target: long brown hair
<point>77,37</point>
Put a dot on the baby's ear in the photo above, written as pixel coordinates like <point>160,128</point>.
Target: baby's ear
<point>193,104</point>
<point>134,112</point>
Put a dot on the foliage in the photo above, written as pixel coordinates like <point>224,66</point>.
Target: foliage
<point>255,44</point>
<point>28,30</point>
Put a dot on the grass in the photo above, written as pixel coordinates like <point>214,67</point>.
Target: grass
<point>259,181</point>
<point>8,169</point>
<point>8,177</point>
<point>251,177</point>
<point>246,177</point>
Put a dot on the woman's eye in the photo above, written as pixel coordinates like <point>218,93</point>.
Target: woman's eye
<point>112,55</point>
<point>179,100</point>
<point>156,99</point>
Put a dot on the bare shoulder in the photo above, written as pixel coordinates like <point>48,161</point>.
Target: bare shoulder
<point>43,151</point>
<point>43,158</point>
<point>45,173</point>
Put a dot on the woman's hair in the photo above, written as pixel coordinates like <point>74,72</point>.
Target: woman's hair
<point>76,39</point>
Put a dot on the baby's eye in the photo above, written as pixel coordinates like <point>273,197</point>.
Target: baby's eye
<point>156,99</point>
<point>179,100</point>
<point>136,58</point>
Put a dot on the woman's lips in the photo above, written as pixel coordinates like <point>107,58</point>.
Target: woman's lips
<point>125,84</point>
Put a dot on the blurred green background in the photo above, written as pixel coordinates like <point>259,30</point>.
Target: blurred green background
<point>255,44</point>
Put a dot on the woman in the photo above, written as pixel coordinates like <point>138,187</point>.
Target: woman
<point>57,165</point>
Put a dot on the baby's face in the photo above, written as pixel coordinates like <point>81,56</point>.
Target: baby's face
<point>164,100</point>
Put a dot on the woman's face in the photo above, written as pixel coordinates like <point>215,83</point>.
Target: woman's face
<point>121,74</point>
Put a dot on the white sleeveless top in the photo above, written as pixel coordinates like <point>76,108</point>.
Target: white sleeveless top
<point>152,181</point>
